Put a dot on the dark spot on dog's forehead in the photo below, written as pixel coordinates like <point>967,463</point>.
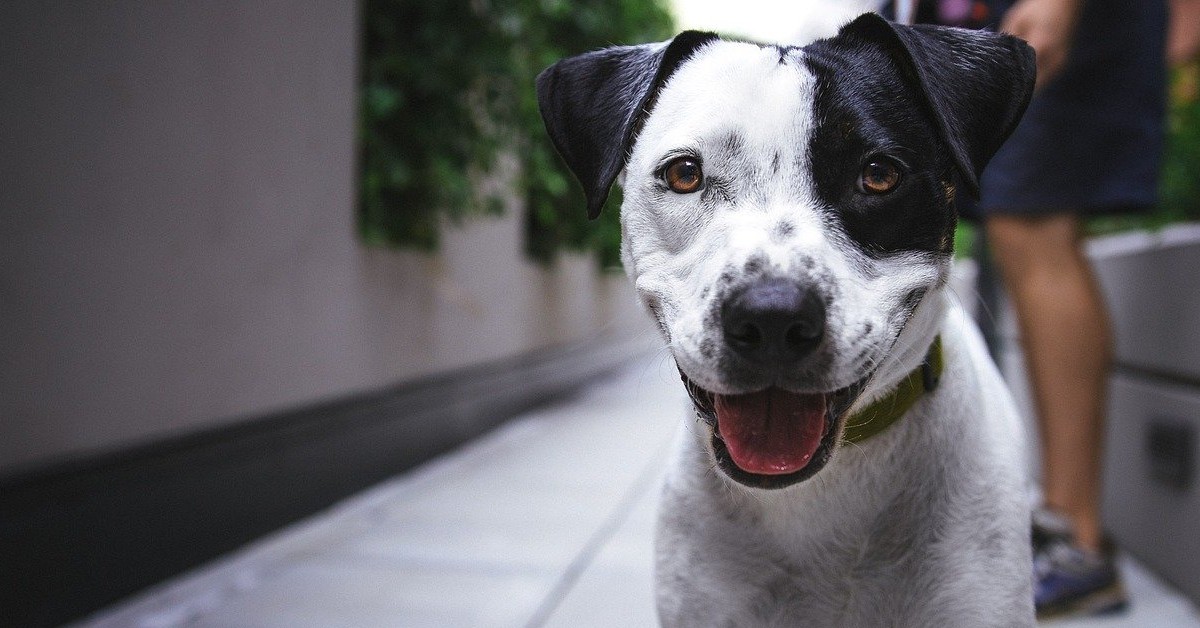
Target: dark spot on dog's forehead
<point>863,106</point>
<point>784,52</point>
<point>733,144</point>
<point>783,229</point>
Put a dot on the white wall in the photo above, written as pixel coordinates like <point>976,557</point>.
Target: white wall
<point>177,249</point>
<point>794,22</point>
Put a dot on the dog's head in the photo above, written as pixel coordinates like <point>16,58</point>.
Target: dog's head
<point>789,212</point>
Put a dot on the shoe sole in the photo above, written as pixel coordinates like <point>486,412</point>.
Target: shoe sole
<point>1107,601</point>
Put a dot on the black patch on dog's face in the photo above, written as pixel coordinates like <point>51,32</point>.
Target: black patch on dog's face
<point>863,111</point>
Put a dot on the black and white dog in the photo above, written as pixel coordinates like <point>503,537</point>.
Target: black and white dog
<point>788,220</point>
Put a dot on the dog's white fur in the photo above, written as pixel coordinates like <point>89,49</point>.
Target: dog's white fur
<point>925,524</point>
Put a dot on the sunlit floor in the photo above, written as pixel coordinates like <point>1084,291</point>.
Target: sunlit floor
<point>544,522</point>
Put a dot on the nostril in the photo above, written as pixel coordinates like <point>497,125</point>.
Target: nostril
<point>807,323</point>
<point>745,333</point>
<point>802,334</point>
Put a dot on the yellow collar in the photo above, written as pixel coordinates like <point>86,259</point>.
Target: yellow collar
<point>880,415</point>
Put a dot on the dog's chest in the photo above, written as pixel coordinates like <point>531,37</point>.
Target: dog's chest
<point>845,586</point>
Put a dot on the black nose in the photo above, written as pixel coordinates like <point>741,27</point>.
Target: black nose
<point>773,321</point>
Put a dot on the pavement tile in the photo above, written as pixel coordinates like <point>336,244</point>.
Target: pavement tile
<point>546,521</point>
<point>617,588</point>
<point>359,594</point>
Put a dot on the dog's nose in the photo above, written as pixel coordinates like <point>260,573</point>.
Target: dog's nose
<point>773,321</point>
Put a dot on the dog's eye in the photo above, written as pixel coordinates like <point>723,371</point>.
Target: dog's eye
<point>879,176</point>
<point>683,175</point>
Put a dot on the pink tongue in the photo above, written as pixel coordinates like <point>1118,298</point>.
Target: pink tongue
<point>771,432</point>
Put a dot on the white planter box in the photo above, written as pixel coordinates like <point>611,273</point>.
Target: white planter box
<point>1151,492</point>
<point>1150,517</point>
<point>1152,282</point>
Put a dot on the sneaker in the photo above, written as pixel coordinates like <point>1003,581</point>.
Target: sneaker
<point>1070,581</point>
<point>1048,526</point>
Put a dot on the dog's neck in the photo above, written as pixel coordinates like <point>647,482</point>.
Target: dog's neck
<point>883,413</point>
<point>910,351</point>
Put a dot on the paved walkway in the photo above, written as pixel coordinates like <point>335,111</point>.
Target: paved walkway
<point>547,521</point>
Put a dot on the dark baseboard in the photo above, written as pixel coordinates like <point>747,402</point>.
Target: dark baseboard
<point>82,535</point>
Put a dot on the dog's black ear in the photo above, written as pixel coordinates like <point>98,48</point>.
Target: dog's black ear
<point>593,105</point>
<point>977,84</point>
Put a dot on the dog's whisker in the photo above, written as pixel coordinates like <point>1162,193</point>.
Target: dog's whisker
<point>850,443</point>
<point>655,363</point>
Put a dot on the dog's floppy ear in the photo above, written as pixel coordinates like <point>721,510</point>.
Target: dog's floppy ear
<point>593,104</point>
<point>977,84</point>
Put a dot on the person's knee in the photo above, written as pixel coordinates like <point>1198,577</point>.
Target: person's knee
<point>1020,243</point>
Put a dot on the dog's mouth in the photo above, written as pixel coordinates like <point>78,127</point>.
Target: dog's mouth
<point>774,437</point>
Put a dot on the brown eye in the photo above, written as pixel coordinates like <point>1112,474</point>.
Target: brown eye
<point>683,175</point>
<point>879,176</point>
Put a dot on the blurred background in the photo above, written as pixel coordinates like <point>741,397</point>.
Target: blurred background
<point>259,256</point>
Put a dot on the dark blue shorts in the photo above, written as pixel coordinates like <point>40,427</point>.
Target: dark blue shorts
<point>1092,140</point>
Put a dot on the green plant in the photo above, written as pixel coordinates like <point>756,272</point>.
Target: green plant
<point>446,85</point>
<point>1180,190</point>
<point>556,218</point>
<point>419,137</point>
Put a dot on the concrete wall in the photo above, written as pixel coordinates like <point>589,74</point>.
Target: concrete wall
<point>178,247</point>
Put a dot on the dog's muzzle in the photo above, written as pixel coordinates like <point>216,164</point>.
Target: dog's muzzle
<point>774,436</point>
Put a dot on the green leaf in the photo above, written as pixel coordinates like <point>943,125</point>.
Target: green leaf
<point>446,85</point>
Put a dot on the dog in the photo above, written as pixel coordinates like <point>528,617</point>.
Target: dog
<point>788,221</point>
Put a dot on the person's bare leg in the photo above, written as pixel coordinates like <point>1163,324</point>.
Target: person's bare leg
<point>1067,342</point>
